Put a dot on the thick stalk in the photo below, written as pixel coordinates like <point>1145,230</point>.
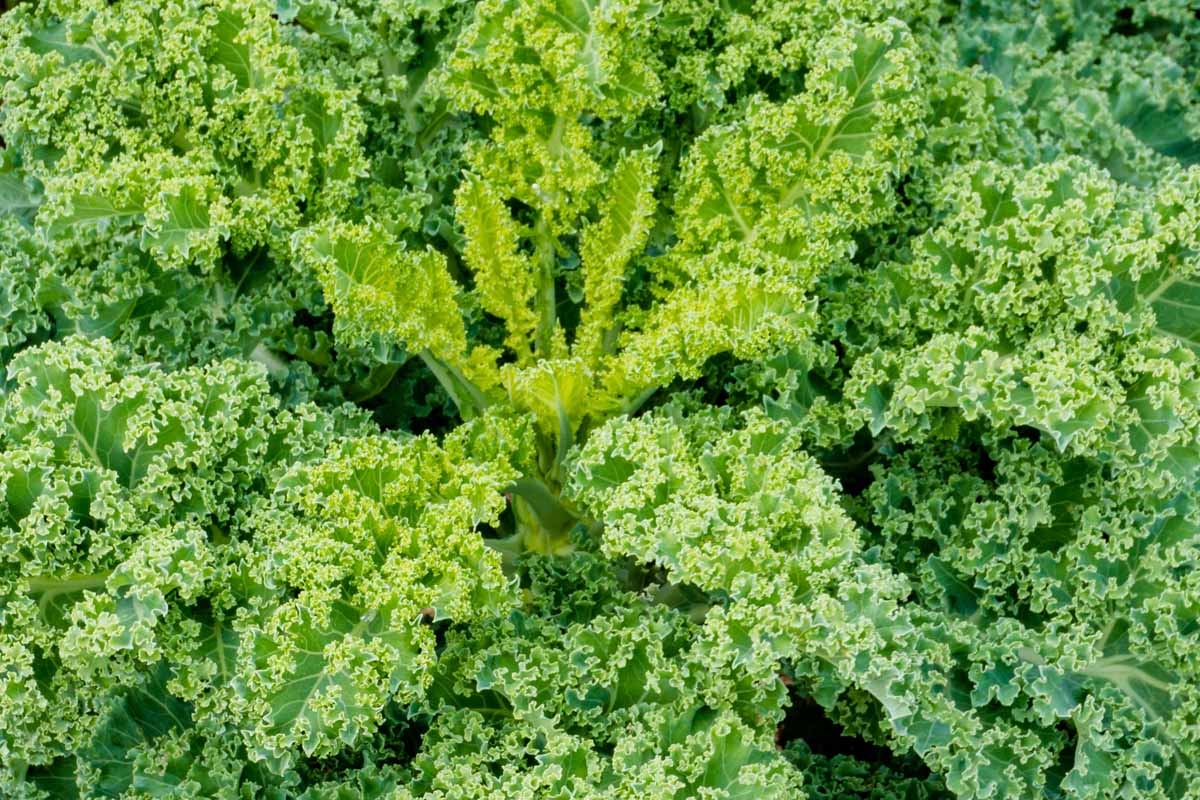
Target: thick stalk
<point>67,585</point>
<point>634,403</point>
<point>544,523</point>
<point>48,588</point>
<point>465,394</point>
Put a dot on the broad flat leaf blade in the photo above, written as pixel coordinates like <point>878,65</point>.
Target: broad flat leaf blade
<point>1174,294</point>
<point>134,722</point>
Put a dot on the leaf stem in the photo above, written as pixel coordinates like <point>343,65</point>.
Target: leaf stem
<point>544,522</point>
<point>378,379</point>
<point>72,583</point>
<point>465,394</point>
<point>547,303</point>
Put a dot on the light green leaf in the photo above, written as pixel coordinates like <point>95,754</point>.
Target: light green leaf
<point>506,279</point>
<point>317,680</point>
<point>607,245</point>
<point>381,292</point>
<point>181,221</point>
<point>92,211</point>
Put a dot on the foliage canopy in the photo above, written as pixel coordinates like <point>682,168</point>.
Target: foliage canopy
<point>613,399</point>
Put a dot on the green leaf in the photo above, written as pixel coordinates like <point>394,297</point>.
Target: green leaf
<point>134,721</point>
<point>218,645</point>
<point>316,17</point>
<point>1147,684</point>
<point>505,278</point>
<point>381,292</point>
<point>182,223</point>
<point>236,56</point>
<point>57,779</point>
<point>608,245</point>
<point>71,39</point>
<point>92,211</point>
<point>961,598</point>
<point>1174,295</point>
<point>842,141</point>
<point>708,752</point>
<point>336,126</point>
<point>317,680</point>
<point>17,198</point>
<point>1159,123</point>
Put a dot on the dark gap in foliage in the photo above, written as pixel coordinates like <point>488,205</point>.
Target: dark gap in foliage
<point>504,527</point>
<point>852,466</point>
<point>1047,270</point>
<point>1028,433</point>
<point>413,401</point>
<point>1061,41</point>
<point>507,522</point>
<point>439,631</point>
<point>397,742</point>
<point>568,297</point>
<point>426,57</point>
<point>45,668</point>
<point>248,270</point>
<point>714,388</point>
<point>201,610</point>
<point>1066,758</point>
<point>958,681</point>
<point>402,733</point>
<point>986,467</point>
<point>643,576</point>
<point>1125,25</point>
<point>839,350</point>
<point>807,721</point>
<point>490,329</point>
<point>521,211</point>
<point>778,88</point>
<point>928,547</point>
<point>46,332</point>
<point>842,777</point>
<point>1030,618</point>
<point>57,778</point>
<point>864,246</point>
<point>306,320</point>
